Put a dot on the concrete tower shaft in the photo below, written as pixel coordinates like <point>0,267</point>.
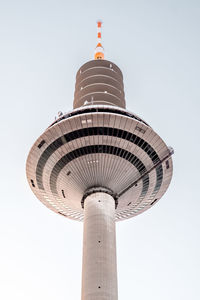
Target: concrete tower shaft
<point>99,82</point>
<point>99,271</point>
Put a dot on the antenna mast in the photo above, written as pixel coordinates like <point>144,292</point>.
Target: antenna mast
<point>99,50</point>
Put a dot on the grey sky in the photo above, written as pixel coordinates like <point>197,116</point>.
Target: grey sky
<point>156,44</point>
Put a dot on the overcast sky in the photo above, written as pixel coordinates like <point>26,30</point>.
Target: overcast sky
<point>156,44</point>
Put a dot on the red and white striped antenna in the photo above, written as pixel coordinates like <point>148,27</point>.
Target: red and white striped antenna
<point>99,50</point>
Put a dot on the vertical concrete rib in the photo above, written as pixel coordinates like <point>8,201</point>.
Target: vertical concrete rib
<point>99,270</point>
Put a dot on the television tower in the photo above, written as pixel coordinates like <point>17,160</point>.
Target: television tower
<point>99,164</point>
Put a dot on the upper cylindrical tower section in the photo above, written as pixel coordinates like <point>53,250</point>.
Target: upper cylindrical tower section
<point>99,82</point>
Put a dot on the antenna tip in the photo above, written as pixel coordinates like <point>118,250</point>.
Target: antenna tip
<point>99,23</point>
